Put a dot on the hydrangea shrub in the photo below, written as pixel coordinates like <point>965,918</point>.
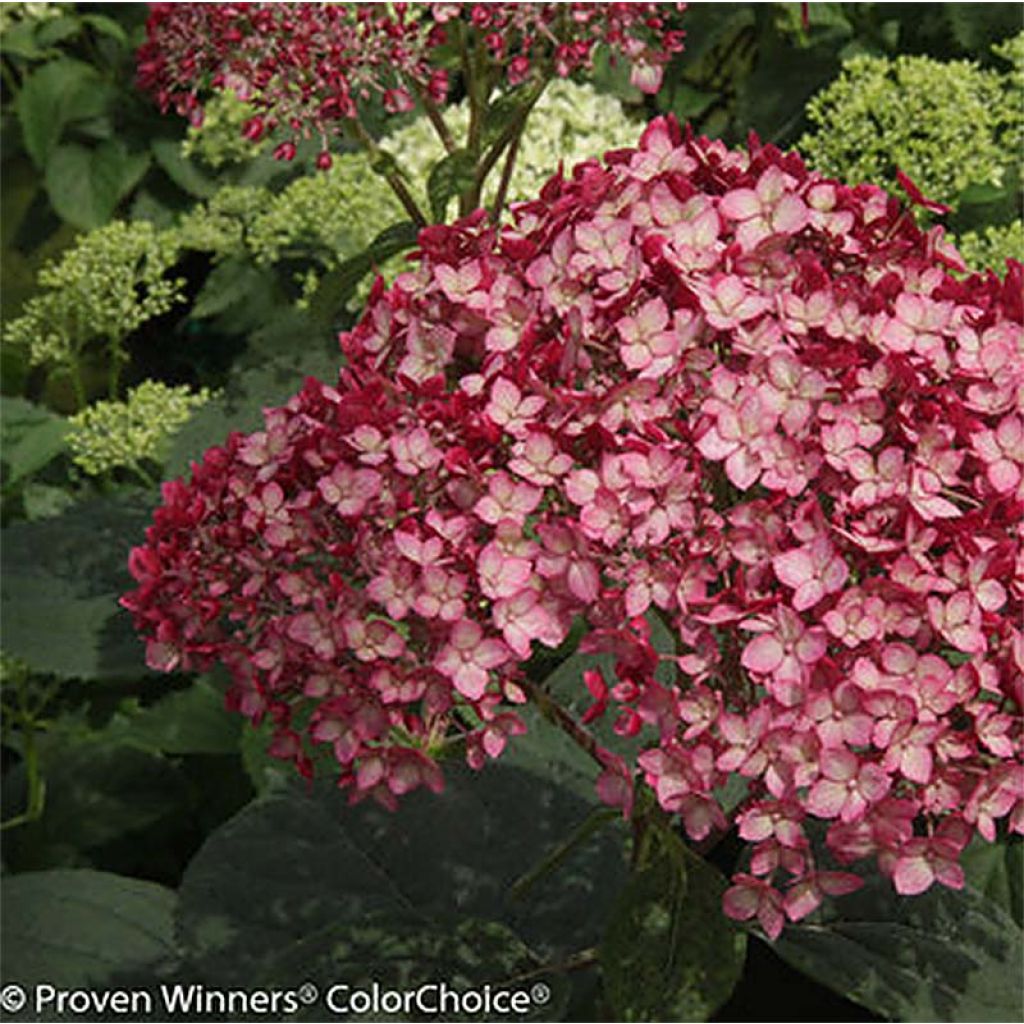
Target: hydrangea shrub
<point>101,289</point>
<point>704,384</point>
<point>111,435</point>
<point>992,246</point>
<point>946,124</point>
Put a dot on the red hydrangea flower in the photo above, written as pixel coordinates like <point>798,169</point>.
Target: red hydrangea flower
<point>817,487</point>
<point>307,67</point>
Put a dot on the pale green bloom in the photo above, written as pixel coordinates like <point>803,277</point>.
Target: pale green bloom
<point>219,140</point>
<point>104,287</point>
<point>1012,113</point>
<point>12,14</point>
<point>941,123</point>
<point>991,248</point>
<point>221,225</point>
<point>124,435</point>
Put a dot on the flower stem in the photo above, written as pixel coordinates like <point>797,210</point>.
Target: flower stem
<point>436,118</point>
<point>392,177</point>
<point>557,715</point>
<point>35,782</point>
<point>506,179</point>
<point>512,133</point>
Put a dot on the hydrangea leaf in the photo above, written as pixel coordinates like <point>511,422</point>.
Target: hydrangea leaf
<point>944,955</point>
<point>84,928</point>
<point>997,871</point>
<point>54,95</point>
<point>32,437</point>
<point>449,177</point>
<point>669,954</point>
<point>97,792</point>
<point>318,864</point>
<point>61,580</point>
<point>85,184</point>
<point>182,171</point>
<point>190,721</point>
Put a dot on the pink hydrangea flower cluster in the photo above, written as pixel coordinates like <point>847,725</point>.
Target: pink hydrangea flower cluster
<point>702,384</point>
<point>303,67</point>
<point>519,35</point>
<point>307,67</point>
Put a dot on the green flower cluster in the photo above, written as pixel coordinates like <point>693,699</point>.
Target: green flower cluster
<point>1012,51</point>
<point>218,141</point>
<point>992,247</point>
<point>221,225</point>
<point>335,214</point>
<point>124,435</point>
<point>945,124</point>
<point>104,287</point>
<point>12,14</point>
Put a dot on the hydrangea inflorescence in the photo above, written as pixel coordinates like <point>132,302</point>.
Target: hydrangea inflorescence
<point>947,124</point>
<point>307,68</point>
<point>693,382</point>
<point>110,435</point>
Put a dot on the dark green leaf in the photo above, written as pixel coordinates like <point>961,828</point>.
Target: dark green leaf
<point>59,589</point>
<point>669,953</point>
<point>981,193</point>
<point>234,282</point>
<point>56,30</point>
<point>501,114</point>
<point>55,94</point>
<point>449,177</point>
<point>975,27</point>
<point>689,102</point>
<point>20,186</point>
<point>192,721</point>
<point>320,866</point>
<point>106,27</point>
<point>20,41</point>
<point>96,791</point>
<point>36,448</point>
<point>75,929</point>
<point>265,772</point>
<point>32,436</point>
<point>996,870</point>
<point>548,753</point>
<point>85,184</point>
<point>182,171</point>
<point>337,287</point>
<point>944,955</point>
<point>41,501</point>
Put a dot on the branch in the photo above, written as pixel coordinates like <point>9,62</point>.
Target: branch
<point>557,715</point>
<point>393,179</point>
<point>506,179</point>
<point>436,118</point>
<point>511,133</point>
